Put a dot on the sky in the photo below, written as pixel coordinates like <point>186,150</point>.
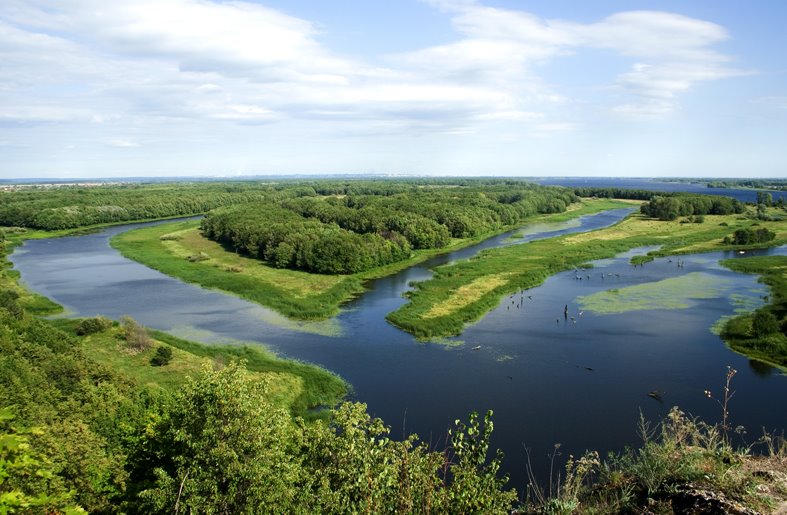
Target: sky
<point>612,88</point>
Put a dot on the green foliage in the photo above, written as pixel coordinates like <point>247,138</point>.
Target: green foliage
<point>352,466</point>
<point>764,323</point>
<point>93,325</point>
<point>749,236</point>
<point>87,412</point>
<point>475,485</point>
<point>28,481</point>
<point>9,302</point>
<point>671,207</point>
<point>70,206</point>
<point>162,358</point>
<point>228,450</point>
<point>221,447</point>
<point>359,232</point>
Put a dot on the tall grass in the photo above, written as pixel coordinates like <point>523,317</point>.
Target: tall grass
<point>683,465</point>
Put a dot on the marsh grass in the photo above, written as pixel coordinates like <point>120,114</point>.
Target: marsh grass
<point>319,387</point>
<point>529,265</point>
<point>297,386</point>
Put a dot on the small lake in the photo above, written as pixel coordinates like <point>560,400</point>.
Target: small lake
<point>550,379</point>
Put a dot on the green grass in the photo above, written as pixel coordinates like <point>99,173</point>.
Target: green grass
<point>9,280</point>
<point>295,294</point>
<point>526,266</point>
<point>297,386</point>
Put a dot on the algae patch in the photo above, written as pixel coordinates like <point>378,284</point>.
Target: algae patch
<point>673,293</point>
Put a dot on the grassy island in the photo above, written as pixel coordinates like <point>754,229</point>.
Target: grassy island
<point>294,293</point>
<point>444,304</point>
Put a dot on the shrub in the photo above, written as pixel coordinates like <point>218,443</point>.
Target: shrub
<point>93,325</point>
<point>764,323</point>
<point>9,301</point>
<point>196,258</point>
<point>162,358</point>
<point>751,236</point>
<point>135,334</point>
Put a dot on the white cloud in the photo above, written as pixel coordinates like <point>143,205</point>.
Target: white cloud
<point>160,66</point>
<point>123,143</point>
<point>673,52</point>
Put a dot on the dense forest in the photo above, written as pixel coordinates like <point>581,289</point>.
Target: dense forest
<point>71,206</point>
<point>671,207</point>
<point>347,233</point>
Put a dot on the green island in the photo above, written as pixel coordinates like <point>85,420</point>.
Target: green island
<point>294,293</point>
<point>102,416</point>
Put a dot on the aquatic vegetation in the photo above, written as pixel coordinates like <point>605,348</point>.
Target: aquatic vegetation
<point>448,343</point>
<point>533,262</point>
<point>672,293</point>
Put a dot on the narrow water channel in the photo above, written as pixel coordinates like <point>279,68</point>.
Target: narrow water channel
<point>581,382</point>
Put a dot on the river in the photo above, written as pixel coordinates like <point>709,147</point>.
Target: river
<point>549,379</point>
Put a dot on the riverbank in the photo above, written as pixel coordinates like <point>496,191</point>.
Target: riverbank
<point>445,304</point>
<point>296,386</point>
<point>760,334</point>
<point>179,250</point>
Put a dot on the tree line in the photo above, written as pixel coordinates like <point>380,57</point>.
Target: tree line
<point>68,207</point>
<point>352,233</point>
<point>671,207</point>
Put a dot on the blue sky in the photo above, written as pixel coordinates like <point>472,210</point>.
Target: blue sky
<point>90,88</point>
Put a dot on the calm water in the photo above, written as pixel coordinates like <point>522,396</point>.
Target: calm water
<point>549,380</point>
<point>655,185</point>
